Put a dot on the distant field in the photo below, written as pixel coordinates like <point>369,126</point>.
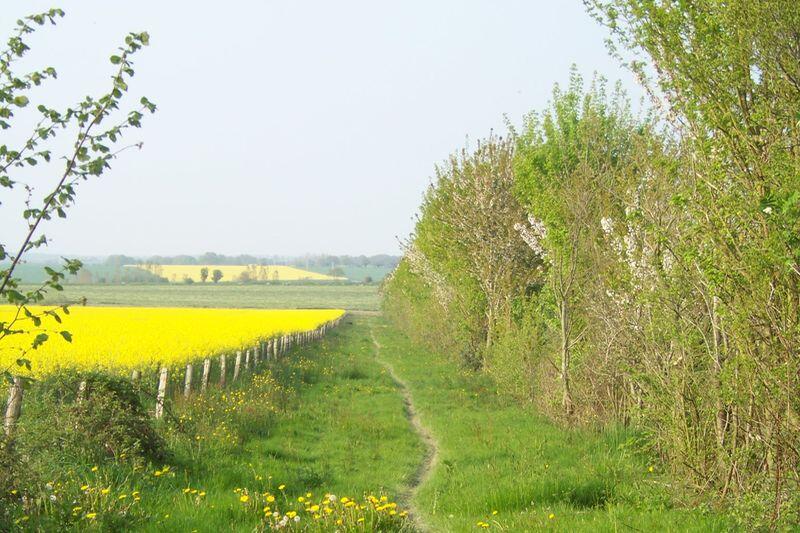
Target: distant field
<point>181,273</point>
<point>350,297</point>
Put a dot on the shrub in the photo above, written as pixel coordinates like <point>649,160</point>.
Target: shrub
<point>105,420</point>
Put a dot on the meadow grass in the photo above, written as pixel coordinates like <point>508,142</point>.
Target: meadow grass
<point>497,455</point>
<point>259,296</point>
<point>341,430</point>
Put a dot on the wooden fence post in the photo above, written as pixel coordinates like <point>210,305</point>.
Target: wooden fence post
<point>135,375</point>
<point>237,365</point>
<point>162,392</point>
<point>187,381</point>
<point>206,372</point>
<point>256,353</point>
<point>14,407</point>
<point>222,369</point>
<point>247,360</point>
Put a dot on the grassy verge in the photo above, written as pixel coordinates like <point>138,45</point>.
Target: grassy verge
<point>341,431</point>
<point>502,467</point>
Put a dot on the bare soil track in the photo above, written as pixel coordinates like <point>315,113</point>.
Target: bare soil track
<point>425,468</point>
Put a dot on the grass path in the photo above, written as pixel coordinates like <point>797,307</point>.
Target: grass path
<point>503,467</point>
<point>431,458</point>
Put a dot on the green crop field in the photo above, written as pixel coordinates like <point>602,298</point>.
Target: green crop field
<point>350,297</point>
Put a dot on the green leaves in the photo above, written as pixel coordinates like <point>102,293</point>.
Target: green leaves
<point>40,339</point>
<point>90,153</point>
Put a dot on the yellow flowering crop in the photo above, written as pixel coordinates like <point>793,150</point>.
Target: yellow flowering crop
<point>118,339</point>
<point>178,273</point>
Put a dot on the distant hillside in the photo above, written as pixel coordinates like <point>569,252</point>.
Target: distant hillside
<point>238,273</point>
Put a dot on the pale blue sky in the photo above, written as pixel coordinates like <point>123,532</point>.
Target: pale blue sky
<point>297,127</point>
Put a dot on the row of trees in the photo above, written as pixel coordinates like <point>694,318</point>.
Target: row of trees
<point>640,269</point>
<point>308,261</point>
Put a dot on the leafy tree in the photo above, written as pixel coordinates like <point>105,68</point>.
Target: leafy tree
<point>728,74</point>
<point>216,275</point>
<point>567,161</point>
<point>204,274</point>
<point>466,246</point>
<point>98,125</point>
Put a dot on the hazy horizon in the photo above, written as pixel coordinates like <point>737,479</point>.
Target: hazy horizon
<point>293,129</point>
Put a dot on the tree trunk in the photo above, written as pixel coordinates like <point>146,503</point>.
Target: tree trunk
<point>565,360</point>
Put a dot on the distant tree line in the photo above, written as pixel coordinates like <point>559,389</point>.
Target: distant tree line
<point>617,268</point>
<point>316,262</point>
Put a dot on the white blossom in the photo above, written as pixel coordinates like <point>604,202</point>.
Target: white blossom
<point>607,224</point>
<point>533,234</point>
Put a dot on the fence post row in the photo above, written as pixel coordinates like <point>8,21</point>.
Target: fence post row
<point>266,350</point>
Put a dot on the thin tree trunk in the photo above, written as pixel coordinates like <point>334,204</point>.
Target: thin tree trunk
<point>565,360</point>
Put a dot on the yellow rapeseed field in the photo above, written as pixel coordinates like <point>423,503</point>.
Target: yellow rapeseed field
<point>179,273</point>
<point>118,339</point>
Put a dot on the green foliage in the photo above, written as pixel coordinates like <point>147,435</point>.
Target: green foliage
<point>466,250</point>
<point>90,156</point>
<point>89,418</point>
<point>668,294</point>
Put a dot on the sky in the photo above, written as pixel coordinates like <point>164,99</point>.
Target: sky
<point>291,127</point>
